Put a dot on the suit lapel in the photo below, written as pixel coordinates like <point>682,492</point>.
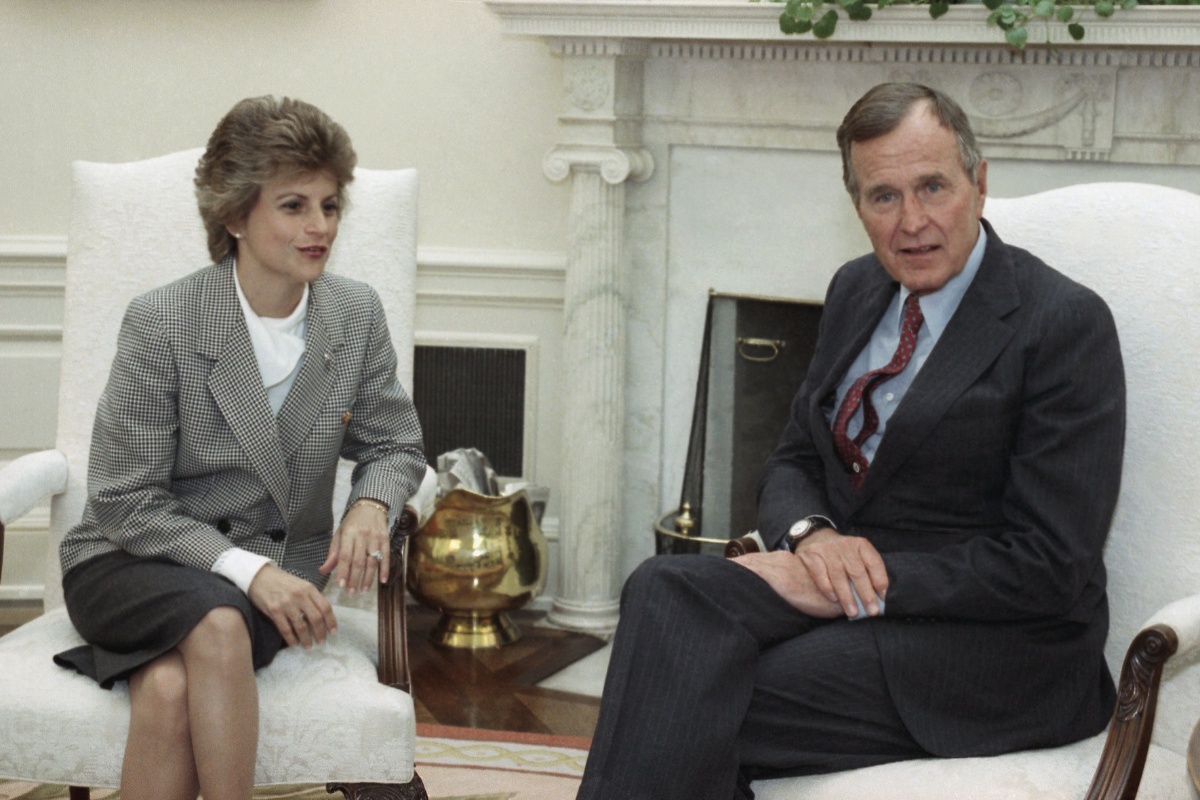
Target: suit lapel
<point>236,384</point>
<point>308,393</point>
<point>975,336</point>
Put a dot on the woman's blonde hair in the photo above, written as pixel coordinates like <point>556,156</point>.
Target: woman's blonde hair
<point>259,139</point>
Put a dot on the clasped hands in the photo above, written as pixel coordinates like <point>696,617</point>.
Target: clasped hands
<point>298,609</point>
<point>823,575</point>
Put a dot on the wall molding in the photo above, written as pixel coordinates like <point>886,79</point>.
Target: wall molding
<point>48,250</point>
<point>24,247</point>
<point>475,277</point>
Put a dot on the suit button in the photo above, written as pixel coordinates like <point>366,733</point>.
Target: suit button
<point>276,535</point>
<point>223,526</point>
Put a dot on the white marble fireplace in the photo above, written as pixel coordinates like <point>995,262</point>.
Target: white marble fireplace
<point>699,144</point>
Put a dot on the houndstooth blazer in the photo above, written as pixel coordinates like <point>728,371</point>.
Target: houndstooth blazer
<point>187,459</point>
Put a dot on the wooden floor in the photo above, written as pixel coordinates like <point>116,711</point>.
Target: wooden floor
<point>493,689</point>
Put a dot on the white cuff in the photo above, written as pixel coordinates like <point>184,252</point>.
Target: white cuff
<point>240,566</point>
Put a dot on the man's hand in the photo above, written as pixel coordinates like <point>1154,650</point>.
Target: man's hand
<point>298,609</point>
<point>791,581</point>
<point>362,533</point>
<point>835,562</point>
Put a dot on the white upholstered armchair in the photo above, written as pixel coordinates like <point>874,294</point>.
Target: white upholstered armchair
<point>1138,246</point>
<point>133,227</point>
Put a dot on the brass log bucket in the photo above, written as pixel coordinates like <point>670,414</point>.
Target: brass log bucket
<point>475,559</point>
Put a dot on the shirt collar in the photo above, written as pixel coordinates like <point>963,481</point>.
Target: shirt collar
<point>938,307</point>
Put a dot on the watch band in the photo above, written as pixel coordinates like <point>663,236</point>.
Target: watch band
<point>806,527</point>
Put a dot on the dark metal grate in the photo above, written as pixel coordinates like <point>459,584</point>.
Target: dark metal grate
<point>472,397</point>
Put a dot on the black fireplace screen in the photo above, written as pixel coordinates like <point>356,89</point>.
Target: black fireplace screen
<point>755,353</point>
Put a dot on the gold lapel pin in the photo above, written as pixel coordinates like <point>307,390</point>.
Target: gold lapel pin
<point>346,417</point>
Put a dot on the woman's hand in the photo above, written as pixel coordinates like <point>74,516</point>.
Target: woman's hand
<point>361,548</point>
<point>298,609</point>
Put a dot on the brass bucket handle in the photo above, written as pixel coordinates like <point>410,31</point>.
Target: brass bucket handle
<point>773,345</point>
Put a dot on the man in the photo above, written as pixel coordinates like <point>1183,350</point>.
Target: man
<point>935,512</point>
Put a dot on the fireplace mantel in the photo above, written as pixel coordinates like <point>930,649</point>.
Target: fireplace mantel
<point>758,22</point>
<point>698,141</point>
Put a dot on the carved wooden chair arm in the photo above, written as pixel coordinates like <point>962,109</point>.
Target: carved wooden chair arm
<point>1120,770</point>
<point>393,612</point>
<point>743,545</point>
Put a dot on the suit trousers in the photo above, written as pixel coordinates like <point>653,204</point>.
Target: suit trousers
<point>715,681</point>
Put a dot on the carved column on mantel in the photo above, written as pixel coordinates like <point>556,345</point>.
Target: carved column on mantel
<point>600,149</point>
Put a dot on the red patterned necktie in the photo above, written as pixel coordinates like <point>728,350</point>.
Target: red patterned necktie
<point>849,450</point>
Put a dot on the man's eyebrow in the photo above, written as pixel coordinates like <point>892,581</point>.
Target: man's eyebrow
<point>920,180</point>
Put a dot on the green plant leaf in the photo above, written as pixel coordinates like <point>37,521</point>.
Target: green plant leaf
<point>1064,13</point>
<point>787,24</point>
<point>1129,4</point>
<point>859,12</point>
<point>938,7</point>
<point>1076,31</point>
<point>1044,8</point>
<point>1017,37</point>
<point>824,27</point>
<point>1104,8</point>
<point>992,5</point>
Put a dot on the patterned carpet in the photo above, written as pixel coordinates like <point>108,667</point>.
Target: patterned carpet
<point>454,763</point>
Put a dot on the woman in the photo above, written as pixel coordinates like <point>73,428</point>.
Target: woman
<point>208,531</point>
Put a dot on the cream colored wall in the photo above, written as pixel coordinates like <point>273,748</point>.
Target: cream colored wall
<point>418,83</point>
<point>430,84</point>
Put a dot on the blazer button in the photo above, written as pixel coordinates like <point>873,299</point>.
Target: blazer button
<point>276,534</point>
<point>223,526</point>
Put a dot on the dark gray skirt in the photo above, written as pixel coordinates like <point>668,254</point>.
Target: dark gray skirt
<point>131,610</point>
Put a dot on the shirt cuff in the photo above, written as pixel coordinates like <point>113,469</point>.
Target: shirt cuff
<point>240,566</point>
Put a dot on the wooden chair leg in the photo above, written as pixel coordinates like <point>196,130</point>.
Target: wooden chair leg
<point>413,790</point>
<point>79,792</point>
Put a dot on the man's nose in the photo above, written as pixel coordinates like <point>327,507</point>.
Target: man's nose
<point>912,216</point>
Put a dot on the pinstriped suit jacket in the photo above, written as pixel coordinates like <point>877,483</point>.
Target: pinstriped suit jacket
<point>990,498</point>
<point>187,459</point>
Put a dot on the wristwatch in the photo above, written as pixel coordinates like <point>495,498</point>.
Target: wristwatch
<point>805,528</point>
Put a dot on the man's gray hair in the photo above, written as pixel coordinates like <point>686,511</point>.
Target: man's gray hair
<point>881,110</point>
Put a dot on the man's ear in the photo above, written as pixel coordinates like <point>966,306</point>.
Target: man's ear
<point>981,182</point>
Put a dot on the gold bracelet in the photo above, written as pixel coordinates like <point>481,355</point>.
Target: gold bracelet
<point>373,503</point>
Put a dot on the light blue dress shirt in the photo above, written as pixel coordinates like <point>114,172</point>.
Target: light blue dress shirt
<point>937,308</point>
